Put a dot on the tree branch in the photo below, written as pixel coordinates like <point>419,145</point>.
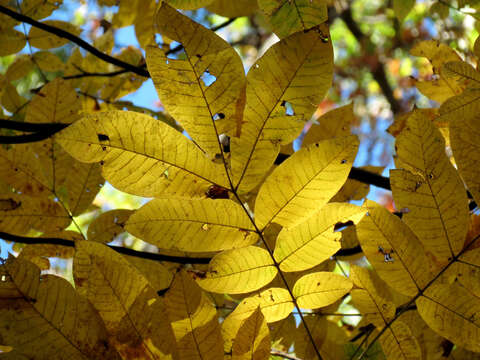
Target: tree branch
<point>119,249</point>
<point>76,40</point>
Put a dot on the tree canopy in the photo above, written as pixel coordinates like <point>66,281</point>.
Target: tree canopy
<point>305,186</point>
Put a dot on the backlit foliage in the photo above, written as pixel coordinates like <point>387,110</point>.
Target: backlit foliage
<point>246,246</point>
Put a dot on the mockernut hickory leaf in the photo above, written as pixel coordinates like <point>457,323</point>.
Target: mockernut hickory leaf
<point>320,289</point>
<point>132,311</point>
<point>239,271</point>
<point>289,16</point>
<point>305,182</point>
<point>200,225</point>
<point>205,92</point>
<point>308,244</point>
<point>194,320</point>
<point>284,88</point>
<point>253,339</point>
<point>428,189</point>
<point>394,250</point>
<point>43,317</point>
<point>141,155</point>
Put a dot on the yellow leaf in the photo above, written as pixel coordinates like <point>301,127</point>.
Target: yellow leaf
<point>194,320</point>
<point>11,100</point>
<point>157,274</point>
<point>19,214</point>
<point>231,9</point>
<point>429,190</point>
<point>453,317</point>
<point>39,9</point>
<point>20,168</point>
<point>335,123</point>
<point>39,253</point>
<point>289,16</point>
<point>398,343</point>
<point>275,304</point>
<point>48,61</point>
<point>132,311</point>
<point>402,8</point>
<point>437,53</point>
<point>318,326</point>
<point>188,4</point>
<point>464,135</point>
<point>239,271</point>
<point>193,225</point>
<point>394,250</point>
<point>253,339</point>
<point>356,190</point>
<point>108,225</point>
<point>459,107</point>
<point>372,298</point>
<point>43,317</point>
<point>293,75</point>
<point>140,155</point>
<point>320,289</point>
<point>305,182</point>
<point>466,271</point>
<point>204,92</point>
<point>45,40</point>
<point>11,41</point>
<point>463,72</point>
<point>20,68</point>
<point>438,89</point>
<point>313,241</point>
<point>56,102</point>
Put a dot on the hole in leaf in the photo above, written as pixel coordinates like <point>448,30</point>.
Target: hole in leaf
<point>205,227</point>
<point>288,108</point>
<point>218,116</point>
<point>207,78</point>
<point>257,66</point>
<point>198,56</point>
<point>102,137</point>
<point>405,210</point>
<point>4,278</point>
<point>342,225</point>
<point>344,161</point>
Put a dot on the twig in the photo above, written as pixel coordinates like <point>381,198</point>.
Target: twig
<point>76,40</point>
<point>119,249</point>
<point>283,354</point>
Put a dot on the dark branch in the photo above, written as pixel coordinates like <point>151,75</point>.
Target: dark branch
<point>76,40</point>
<point>89,74</point>
<point>119,249</point>
<point>24,139</point>
<point>32,127</point>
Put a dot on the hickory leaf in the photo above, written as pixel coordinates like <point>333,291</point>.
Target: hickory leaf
<point>429,190</point>
<point>274,303</point>
<point>239,271</point>
<point>313,241</point>
<point>130,308</point>
<point>194,320</point>
<point>394,250</point>
<point>305,182</point>
<point>300,67</point>
<point>289,16</point>
<point>193,225</point>
<point>31,304</point>
<point>141,155</point>
<point>253,339</point>
<point>320,289</point>
<point>208,92</point>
